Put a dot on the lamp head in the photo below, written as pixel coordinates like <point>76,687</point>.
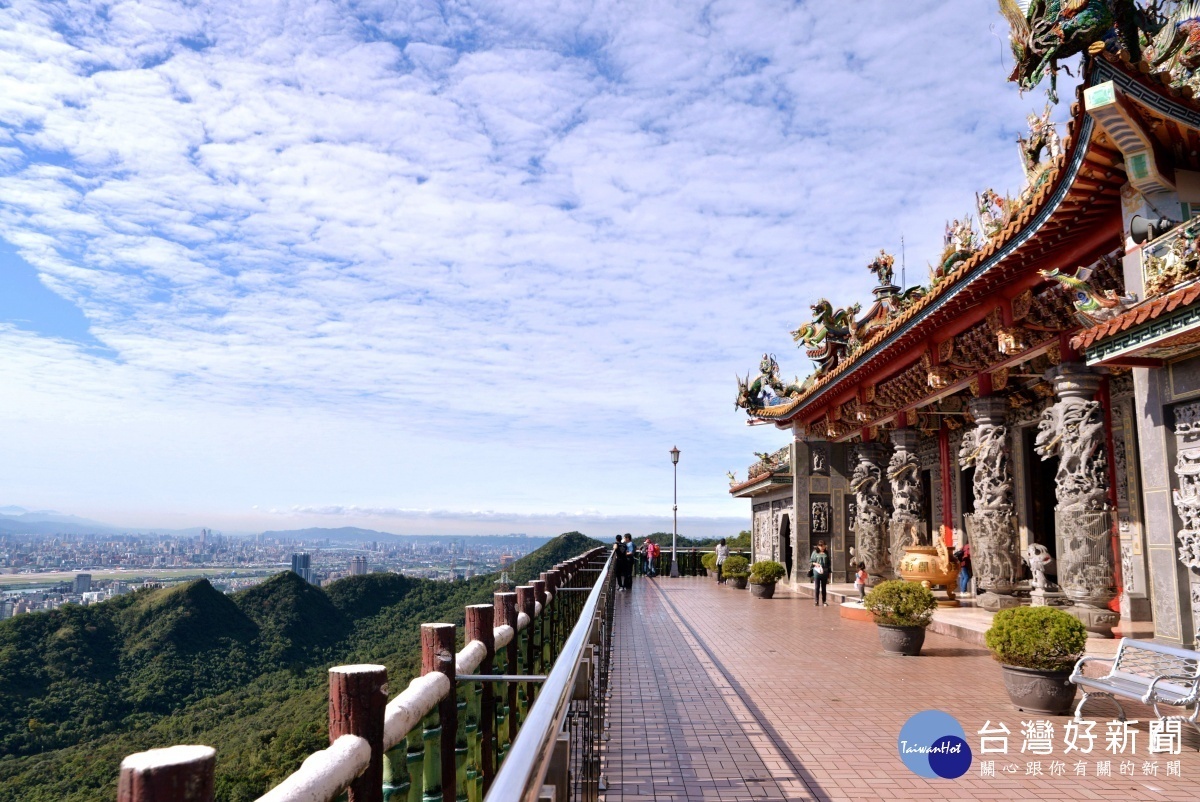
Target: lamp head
<point>674,456</point>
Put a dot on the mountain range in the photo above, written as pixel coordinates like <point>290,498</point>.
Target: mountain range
<point>15,520</point>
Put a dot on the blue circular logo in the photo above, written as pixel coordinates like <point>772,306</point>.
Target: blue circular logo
<point>933,744</point>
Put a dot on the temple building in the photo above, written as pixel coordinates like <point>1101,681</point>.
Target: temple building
<point>1039,398</point>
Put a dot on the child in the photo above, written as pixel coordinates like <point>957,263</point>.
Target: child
<point>860,581</point>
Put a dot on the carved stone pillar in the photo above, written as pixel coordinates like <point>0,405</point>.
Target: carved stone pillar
<point>1187,498</point>
<point>870,519</point>
<point>992,530</point>
<point>904,474</point>
<point>1073,430</point>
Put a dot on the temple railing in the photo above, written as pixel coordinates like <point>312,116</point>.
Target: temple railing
<point>688,558</point>
<point>1171,259</point>
<point>446,734</point>
<point>560,743</point>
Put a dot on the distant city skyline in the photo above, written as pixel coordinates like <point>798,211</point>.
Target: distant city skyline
<point>414,523</point>
<point>462,272</point>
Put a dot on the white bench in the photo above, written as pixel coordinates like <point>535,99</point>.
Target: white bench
<point>1148,672</point>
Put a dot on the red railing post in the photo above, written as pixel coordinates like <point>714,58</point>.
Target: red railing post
<point>480,621</point>
<point>505,605</point>
<point>357,698</point>
<point>174,774</point>
<point>525,599</point>
<point>437,654</point>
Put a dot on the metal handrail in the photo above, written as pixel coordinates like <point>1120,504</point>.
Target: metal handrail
<point>524,768</point>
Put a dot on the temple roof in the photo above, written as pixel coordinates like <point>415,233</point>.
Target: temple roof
<point>1056,227</point>
<point>1158,328</point>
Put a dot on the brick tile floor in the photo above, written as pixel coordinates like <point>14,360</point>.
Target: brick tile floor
<point>720,696</point>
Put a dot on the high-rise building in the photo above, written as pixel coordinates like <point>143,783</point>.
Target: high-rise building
<point>302,565</point>
<point>83,583</point>
<point>358,566</point>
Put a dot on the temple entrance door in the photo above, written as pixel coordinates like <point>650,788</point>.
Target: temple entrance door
<point>785,544</point>
<point>1042,498</point>
<point>966,490</point>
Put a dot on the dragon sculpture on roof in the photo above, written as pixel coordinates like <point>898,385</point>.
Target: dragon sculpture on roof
<point>1176,47</point>
<point>827,338</point>
<point>767,389</point>
<point>1048,31</point>
<point>1092,307</point>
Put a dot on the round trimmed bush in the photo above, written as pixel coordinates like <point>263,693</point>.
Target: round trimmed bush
<point>709,561</point>
<point>735,567</point>
<point>766,572</point>
<point>901,603</point>
<point>1041,638</point>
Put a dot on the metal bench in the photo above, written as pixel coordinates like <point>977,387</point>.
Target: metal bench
<point>1148,672</point>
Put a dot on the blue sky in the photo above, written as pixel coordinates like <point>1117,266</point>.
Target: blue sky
<point>461,266</point>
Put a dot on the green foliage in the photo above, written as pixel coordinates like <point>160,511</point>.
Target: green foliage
<point>901,603</point>
<point>82,687</point>
<point>741,542</point>
<point>766,572</point>
<point>709,561</point>
<point>735,567</point>
<point>1036,637</point>
<point>563,547</point>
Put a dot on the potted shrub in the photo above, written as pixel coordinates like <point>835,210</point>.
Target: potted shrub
<point>736,570</point>
<point>1037,648</point>
<point>709,562</point>
<point>763,576</point>
<point>902,611</point>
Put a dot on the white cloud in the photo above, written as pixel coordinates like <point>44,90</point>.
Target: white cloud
<point>505,255</point>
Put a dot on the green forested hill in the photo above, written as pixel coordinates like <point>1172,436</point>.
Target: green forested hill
<point>81,687</point>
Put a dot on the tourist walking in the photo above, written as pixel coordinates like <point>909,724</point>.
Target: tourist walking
<point>722,555</point>
<point>820,574</point>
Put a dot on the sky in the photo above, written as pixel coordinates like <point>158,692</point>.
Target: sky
<point>461,267</point>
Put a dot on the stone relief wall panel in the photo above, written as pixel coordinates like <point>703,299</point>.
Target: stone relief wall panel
<point>1186,497</point>
<point>819,458</point>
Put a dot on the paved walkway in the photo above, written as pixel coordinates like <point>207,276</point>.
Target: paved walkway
<point>720,696</point>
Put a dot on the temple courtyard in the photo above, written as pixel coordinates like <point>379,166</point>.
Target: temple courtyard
<point>720,696</point>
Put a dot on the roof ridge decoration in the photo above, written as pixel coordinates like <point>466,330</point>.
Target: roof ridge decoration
<point>767,389</point>
<point>1175,48</point>
<point>959,242</point>
<point>835,341</point>
<point>1040,151</point>
<point>1047,31</point>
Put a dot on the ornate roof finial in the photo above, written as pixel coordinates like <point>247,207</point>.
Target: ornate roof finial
<point>883,268</point>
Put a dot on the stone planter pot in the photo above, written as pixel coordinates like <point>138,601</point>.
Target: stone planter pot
<point>1035,691</point>
<point>901,640</point>
<point>763,591</point>
<point>738,582</point>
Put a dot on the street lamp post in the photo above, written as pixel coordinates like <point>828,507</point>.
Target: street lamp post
<point>674,509</point>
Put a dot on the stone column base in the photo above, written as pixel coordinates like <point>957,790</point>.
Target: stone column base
<point>995,602</point>
<point>1099,621</point>
<point>1048,598</point>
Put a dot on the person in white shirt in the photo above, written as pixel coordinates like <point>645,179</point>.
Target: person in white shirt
<point>722,554</point>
